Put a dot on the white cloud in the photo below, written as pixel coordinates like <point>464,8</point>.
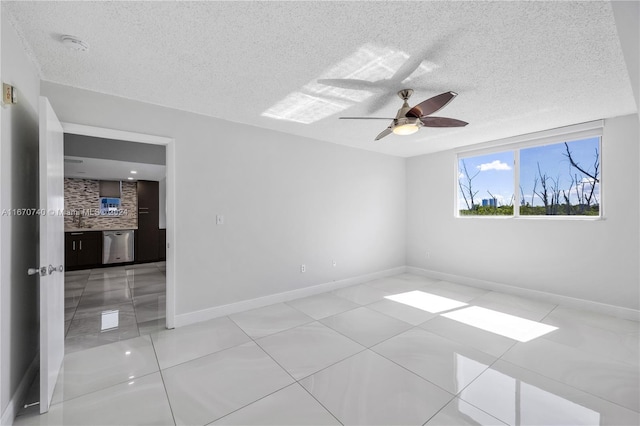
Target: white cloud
<point>494,165</point>
<point>461,176</point>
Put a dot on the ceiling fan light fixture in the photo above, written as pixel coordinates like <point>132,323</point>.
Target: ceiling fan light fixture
<point>405,129</point>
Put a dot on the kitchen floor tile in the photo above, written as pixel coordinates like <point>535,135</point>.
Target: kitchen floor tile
<point>322,305</point>
<point>366,326</point>
<point>107,321</point>
<point>207,388</point>
<point>448,364</point>
<point>104,366</point>
<point>105,298</point>
<point>516,395</point>
<point>153,326</point>
<point>367,389</point>
<point>196,340</point>
<point>290,406</point>
<point>269,320</point>
<point>107,284</point>
<point>103,273</point>
<point>150,307</point>
<point>308,348</point>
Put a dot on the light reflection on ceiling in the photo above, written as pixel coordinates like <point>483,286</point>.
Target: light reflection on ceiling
<point>315,101</point>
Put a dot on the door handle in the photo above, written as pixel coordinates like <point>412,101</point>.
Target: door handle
<point>53,269</point>
<point>33,271</point>
<point>80,244</point>
<point>74,245</point>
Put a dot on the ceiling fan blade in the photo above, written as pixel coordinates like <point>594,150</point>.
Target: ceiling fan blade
<point>431,105</point>
<point>442,122</point>
<point>365,118</point>
<point>349,83</point>
<point>384,133</point>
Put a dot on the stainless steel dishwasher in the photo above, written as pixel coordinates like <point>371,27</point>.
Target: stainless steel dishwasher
<point>117,246</point>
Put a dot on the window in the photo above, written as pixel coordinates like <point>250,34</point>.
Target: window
<point>558,176</point>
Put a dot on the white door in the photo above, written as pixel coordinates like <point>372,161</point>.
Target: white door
<point>51,251</point>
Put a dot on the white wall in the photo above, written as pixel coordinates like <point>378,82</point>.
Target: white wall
<point>595,261</point>
<point>19,243</point>
<point>286,200</point>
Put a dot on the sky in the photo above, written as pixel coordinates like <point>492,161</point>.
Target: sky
<point>495,172</point>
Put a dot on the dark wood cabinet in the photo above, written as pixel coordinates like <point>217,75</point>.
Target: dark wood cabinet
<point>83,250</point>
<point>147,235</point>
<point>162,245</point>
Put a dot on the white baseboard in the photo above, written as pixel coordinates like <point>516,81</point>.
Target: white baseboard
<point>18,397</point>
<point>557,299</point>
<point>244,305</point>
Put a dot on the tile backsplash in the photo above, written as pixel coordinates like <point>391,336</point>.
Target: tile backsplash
<point>83,195</point>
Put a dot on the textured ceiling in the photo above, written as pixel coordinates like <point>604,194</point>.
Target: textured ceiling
<point>518,66</point>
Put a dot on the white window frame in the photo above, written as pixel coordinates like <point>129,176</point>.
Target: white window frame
<point>517,143</point>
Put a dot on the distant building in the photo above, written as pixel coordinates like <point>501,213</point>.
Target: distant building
<point>489,202</point>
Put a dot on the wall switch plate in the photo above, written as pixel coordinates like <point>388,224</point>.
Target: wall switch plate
<point>219,219</point>
<point>303,268</point>
<point>9,95</point>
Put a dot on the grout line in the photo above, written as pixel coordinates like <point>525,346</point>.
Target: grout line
<point>163,382</point>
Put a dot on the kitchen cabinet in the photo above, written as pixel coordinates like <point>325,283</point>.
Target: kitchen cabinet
<point>83,250</point>
<point>148,234</point>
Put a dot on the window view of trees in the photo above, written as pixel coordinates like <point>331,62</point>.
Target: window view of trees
<point>485,184</point>
<point>561,179</point>
<point>557,179</point>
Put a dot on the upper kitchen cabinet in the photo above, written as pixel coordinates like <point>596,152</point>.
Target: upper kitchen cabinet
<point>147,237</point>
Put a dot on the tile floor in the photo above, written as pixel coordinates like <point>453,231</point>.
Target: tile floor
<point>353,356</point>
<point>107,305</point>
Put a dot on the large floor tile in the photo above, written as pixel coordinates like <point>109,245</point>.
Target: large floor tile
<point>193,341</point>
<point>270,319</point>
<point>92,340</point>
<point>308,348</point>
<point>459,292</point>
<point>395,285</point>
<point>401,311</point>
<point>361,294</point>
<point>514,305</point>
<point>150,306</point>
<point>207,388</point>
<point>595,319</point>
<point>367,389</point>
<point>140,401</point>
<point>107,284</point>
<point>106,298</point>
<point>488,342</point>
<point>448,364</point>
<point>573,332</point>
<point>104,273</point>
<point>107,321</point>
<point>152,326</point>
<point>611,380</point>
<point>459,413</point>
<point>516,395</point>
<point>290,406</point>
<point>104,366</point>
<point>366,326</point>
<point>136,281</point>
<point>159,288</point>
<point>322,305</point>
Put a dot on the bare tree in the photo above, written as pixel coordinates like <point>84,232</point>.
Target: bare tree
<point>567,195</point>
<point>544,193</point>
<point>555,195</point>
<point>587,196</point>
<point>522,201</point>
<point>467,189</point>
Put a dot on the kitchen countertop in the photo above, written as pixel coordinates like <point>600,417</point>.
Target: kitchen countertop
<point>99,229</point>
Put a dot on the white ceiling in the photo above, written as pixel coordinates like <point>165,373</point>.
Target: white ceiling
<point>518,67</point>
<point>101,169</point>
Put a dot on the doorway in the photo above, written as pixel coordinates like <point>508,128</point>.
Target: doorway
<point>111,302</point>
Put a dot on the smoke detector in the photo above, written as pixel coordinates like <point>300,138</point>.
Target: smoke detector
<point>74,43</point>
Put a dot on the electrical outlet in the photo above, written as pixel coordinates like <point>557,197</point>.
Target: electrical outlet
<point>303,268</point>
<point>335,263</point>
